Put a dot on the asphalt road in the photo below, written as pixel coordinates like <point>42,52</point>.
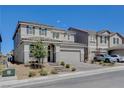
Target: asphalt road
<point>106,80</point>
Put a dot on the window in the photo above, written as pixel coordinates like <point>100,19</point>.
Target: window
<point>105,39</point>
<point>30,30</point>
<point>100,39</point>
<point>55,35</point>
<point>33,30</point>
<point>117,40</point>
<point>90,38</point>
<point>31,47</point>
<point>113,40</point>
<point>43,31</point>
<point>68,37</point>
<point>114,56</point>
<point>94,38</point>
<point>64,34</point>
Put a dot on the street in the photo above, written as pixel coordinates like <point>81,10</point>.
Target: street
<point>106,80</point>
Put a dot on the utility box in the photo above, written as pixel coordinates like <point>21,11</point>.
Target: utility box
<point>8,72</point>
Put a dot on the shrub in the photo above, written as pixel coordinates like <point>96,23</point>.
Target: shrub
<point>43,72</point>
<point>32,74</point>
<point>53,71</point>
<point>73,69</point>
<point>92,61</point>
<point>67,66</point>
<point>0,72</point>
<point>1,68</point>
<point>101,62</point>
<point>62,63</point>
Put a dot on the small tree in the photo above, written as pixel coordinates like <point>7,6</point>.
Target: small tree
<point>38,51</point>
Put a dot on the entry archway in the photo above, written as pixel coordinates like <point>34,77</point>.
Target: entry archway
<point>51,53</point>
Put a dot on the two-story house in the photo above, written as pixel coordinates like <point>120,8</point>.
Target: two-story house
<point>59,43</point>
<point>98,42</point>
<point>107,40</point>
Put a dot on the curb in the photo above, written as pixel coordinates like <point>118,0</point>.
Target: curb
<point>26,82</point>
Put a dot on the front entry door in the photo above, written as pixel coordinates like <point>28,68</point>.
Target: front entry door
<point>51,53</point>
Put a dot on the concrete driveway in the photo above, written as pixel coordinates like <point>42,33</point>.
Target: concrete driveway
<point>86,66</point>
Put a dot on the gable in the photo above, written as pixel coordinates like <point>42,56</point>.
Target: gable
<point>105,33</point>
<point>117,35</point>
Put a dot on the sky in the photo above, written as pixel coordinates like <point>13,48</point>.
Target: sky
<point>94,18</point>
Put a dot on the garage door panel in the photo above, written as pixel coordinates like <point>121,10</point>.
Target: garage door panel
<point>70,57</point>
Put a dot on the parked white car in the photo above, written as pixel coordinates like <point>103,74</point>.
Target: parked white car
<point>118,58</point>
<point>105,57</point>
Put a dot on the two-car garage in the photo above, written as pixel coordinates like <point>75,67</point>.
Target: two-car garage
<point>71,56</point>
<point>118,50</point>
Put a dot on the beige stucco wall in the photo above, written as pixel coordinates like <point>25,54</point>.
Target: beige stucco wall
<point>92,41</point>
<point>19,54</point>
<point>49,34</point>
<point>22,54</point>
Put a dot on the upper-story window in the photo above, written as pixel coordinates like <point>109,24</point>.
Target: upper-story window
<point>91,37</point>
<point>114,41</point>
<point>68,37</point>
<point>64,34</point>
<point>100,39</point>
<point>106,39</point>
<point>117,40</point>
<point>55,35</point>
<point>33,30</point>
<point>42,31</point>
<point>30,30</point>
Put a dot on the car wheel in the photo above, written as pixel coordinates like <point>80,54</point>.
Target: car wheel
<point>118,60</point>
<point>95,59</point>
<point>107,61</point>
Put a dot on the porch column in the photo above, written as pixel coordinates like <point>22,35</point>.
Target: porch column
<point>45,59</point>
<point>57,53</point>
<point>82,55</point>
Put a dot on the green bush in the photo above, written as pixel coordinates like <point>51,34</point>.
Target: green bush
<point>32,74</point>
<point>101,62</point>
<point>53,71</point>
<point>43,72</point>
<point>73,69</point>
<point>0,72</point>
<point>92,61</point>
<point>62,63</point>
<point>67,66</point>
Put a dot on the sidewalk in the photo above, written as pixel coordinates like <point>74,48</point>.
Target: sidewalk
<point>18,83</point>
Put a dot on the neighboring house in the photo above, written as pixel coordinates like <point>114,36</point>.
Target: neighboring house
<point>59,43</point>
<point>98,42</point>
